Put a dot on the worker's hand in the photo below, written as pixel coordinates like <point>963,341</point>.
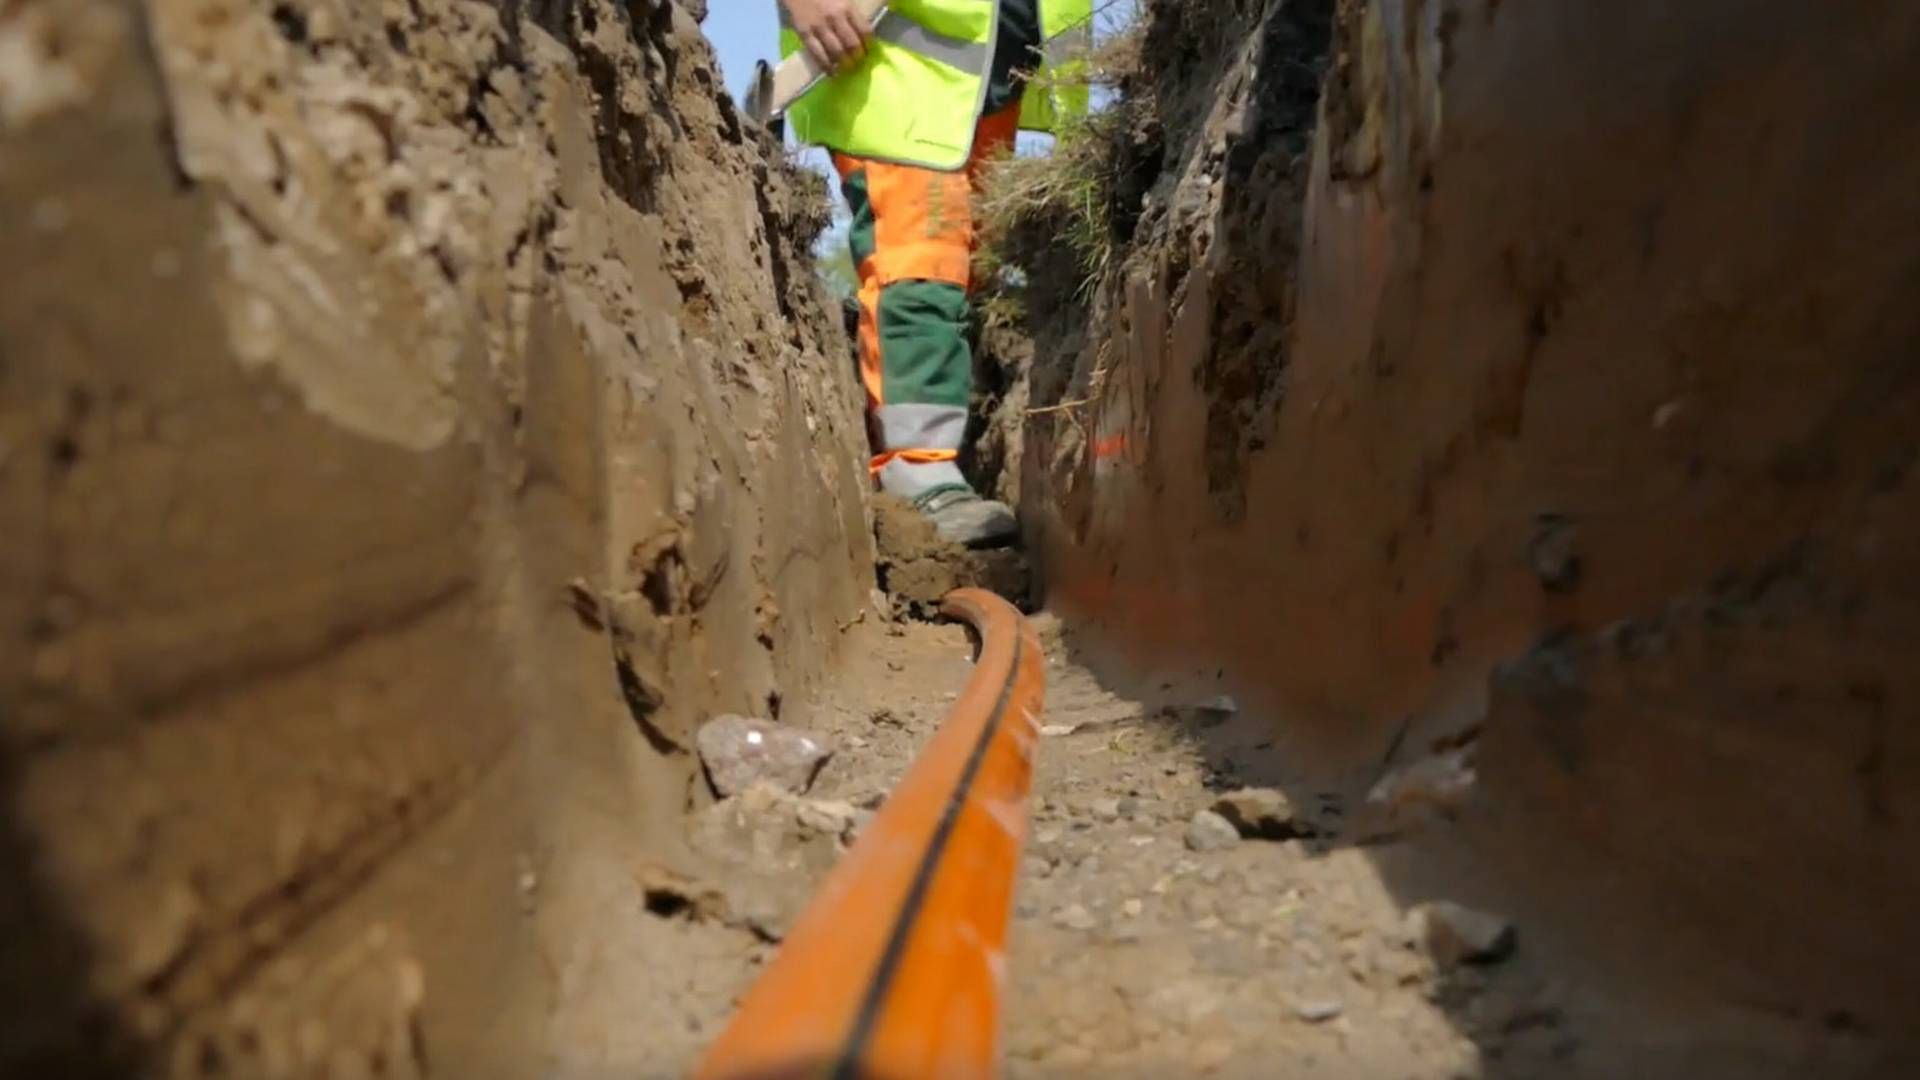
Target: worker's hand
<point>834,31</point>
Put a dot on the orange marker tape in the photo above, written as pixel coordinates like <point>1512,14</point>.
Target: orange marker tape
<point>894,970</point>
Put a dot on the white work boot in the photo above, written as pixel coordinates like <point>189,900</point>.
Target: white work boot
<point>962,517</point>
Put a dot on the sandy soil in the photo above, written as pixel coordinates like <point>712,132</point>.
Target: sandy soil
<point>1133,953</point>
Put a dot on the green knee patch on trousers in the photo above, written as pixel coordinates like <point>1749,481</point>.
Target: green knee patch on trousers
<point>924,357</point>
<point>860,229</point>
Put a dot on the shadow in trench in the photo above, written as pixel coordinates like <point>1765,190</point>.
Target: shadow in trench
<point>1541,1007</point>
<point>54,1025</point>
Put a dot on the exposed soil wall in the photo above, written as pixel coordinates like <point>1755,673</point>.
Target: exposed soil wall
<point>415,418</point>
<point>1554,397</point>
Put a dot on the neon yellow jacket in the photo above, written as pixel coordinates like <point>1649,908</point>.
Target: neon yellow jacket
<point>917,94</point>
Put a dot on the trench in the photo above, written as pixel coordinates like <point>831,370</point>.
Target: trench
<point>1472,494</point>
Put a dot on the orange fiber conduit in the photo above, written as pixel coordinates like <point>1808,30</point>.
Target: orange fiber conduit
<point>894,970</point>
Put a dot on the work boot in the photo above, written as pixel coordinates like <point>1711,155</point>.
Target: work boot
<point>962,517</point>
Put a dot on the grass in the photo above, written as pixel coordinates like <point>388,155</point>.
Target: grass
<point>1032,203</point>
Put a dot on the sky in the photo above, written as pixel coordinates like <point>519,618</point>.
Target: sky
<point>742,31</point>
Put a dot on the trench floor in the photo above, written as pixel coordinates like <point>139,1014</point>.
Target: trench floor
<point>1132,953</point>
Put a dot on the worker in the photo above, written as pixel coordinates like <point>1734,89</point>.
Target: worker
<point>913,109</point>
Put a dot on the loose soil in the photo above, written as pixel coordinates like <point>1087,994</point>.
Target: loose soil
<point>1132,954</point>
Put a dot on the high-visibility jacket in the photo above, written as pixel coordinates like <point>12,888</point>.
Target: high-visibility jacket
<point>916,95</point>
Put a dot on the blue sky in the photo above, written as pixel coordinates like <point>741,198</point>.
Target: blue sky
<point>742,31</point>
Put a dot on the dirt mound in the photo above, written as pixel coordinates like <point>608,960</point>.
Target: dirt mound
<point>917,567</point>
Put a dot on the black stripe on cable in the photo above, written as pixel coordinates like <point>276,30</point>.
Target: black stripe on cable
<point>848,1065</point>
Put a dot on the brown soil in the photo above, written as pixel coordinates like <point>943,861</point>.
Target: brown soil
<point>418,416</point>
<point>1547,448</point>
<point>1132,954</point>
<point>414,419</point>
<point>916,567</point>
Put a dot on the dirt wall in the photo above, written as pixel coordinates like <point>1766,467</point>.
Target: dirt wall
<point>416,416</point>
<point>1554,396</point>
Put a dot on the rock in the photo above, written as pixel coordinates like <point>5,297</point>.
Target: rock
<point>1074,917</point>
<point>1552,552</point>
<point>766,846</point>
<point>1453,934</point>
<point>830,816</point>
<point>739,750</point>
<point>1033,866</point>
<point>1209,831</point>
<point>1106,809</point>
<point>1127,807</point>
<point>1132,908</point>
<point>1261,814</point>
<point>1054,731</point>
<point>1318,1010</point>
<point>770,830</point>
<point>1433,788</point>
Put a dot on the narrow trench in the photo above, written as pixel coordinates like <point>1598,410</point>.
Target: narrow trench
<point>1169,919</point>
<point>1465,451</point>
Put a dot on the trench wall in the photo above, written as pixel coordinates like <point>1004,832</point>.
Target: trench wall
<point>414,418</point>
<point>1547,384</point>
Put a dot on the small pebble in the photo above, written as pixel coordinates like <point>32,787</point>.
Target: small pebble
<point>1074,917</point>
<point>1318,1011</point>
<point>1454,934</point>
<point>1208,831</point>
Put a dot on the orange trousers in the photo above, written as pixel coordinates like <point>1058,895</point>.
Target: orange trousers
<point>913,240</point>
